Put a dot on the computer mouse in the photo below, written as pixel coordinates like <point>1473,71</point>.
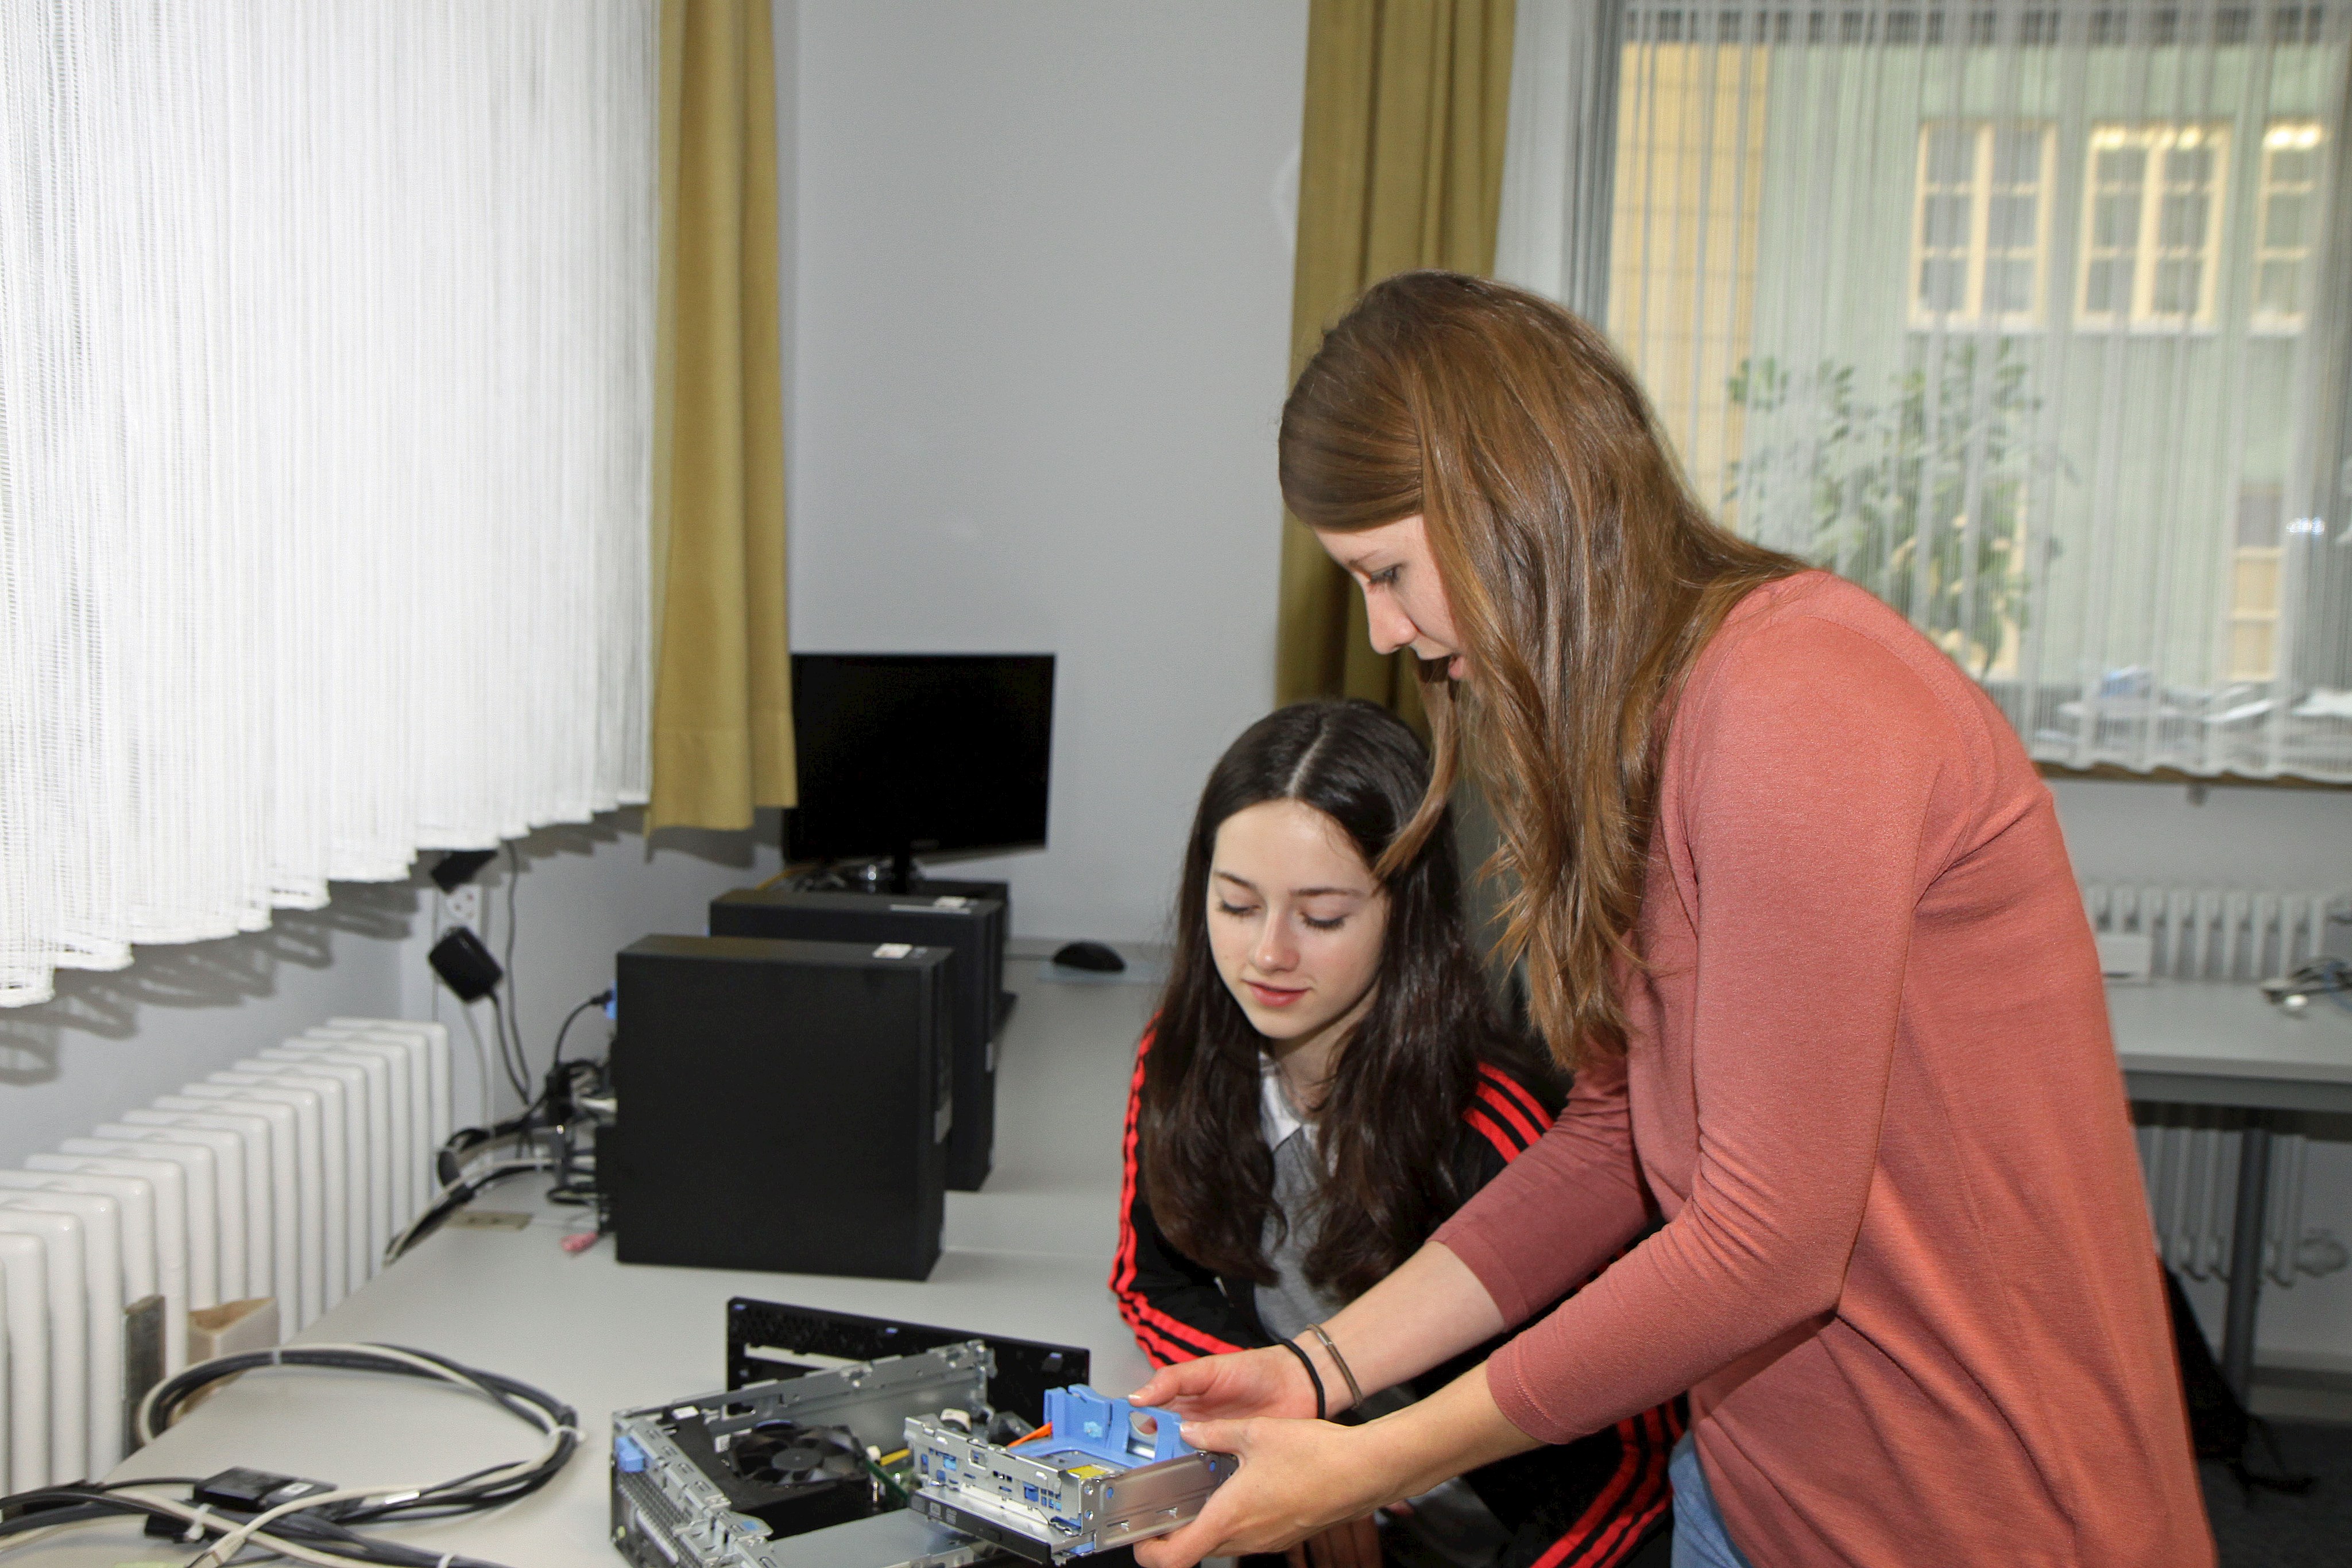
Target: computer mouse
<point>1095,956</point>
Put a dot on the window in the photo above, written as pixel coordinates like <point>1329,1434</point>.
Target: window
<point>2254,584</point>
<point>2284,227</point>
<point>2151,227</point>
<point>2024,319</point>
<point>1979,224</point>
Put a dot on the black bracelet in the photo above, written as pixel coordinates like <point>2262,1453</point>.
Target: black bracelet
<point>1313,1376</point>
<point>1355,1394</point>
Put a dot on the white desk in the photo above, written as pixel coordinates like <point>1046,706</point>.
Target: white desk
<point>2211,1044</point>
<point>1027,1257</point>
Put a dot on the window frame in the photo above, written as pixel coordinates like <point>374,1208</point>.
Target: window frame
<point>1978,253</point>
<point>2308,134</point>
<point>2156,138</point>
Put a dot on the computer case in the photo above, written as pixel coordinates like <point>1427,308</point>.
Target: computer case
<point>967,887</point>
<point>972,928</point>
<point>785,1106</point>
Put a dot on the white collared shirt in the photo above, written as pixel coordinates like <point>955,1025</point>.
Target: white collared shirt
<point>1277,1120</point>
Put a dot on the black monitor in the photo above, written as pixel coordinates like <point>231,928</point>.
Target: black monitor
<point>907,754</point>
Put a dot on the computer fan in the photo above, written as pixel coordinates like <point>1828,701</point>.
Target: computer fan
<point>791,1476</point>
<point>787,1454</point>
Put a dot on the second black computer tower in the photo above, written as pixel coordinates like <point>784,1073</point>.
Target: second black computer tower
<point>967,887</point>
<point>785,1106</point>
<point>973,928</point>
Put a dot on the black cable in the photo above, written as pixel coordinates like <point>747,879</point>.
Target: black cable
<point>326,1527</point>
<point>45,1508</point>
<point>456,1199</point>
<point>598,1000</point>
<point>515,1080</point>
<point>2330,977</point>
<point>465,1494</point>
<point>143,1481</point>
<point>514,998</point>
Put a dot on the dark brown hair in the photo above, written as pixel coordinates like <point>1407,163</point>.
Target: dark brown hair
<point>1403,1079</point>
<point>1583,580</point>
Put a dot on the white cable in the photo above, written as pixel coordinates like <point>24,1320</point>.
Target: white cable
<point>283,1545</point>
<point>235,1539</point>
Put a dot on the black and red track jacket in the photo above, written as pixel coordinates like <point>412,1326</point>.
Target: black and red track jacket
<point>1587,1504</point>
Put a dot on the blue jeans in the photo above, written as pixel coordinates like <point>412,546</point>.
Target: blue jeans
<point>1700,1539</point>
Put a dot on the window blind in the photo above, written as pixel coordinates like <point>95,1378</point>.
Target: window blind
<point>325,401</point>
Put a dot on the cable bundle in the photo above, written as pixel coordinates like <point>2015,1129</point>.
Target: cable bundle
<point>321,1528</point>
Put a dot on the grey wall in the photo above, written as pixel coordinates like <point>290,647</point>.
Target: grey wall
<point>585,891</point>
<point>1044,304</point>
<point>2248,836</point>
<point>111,1041</point>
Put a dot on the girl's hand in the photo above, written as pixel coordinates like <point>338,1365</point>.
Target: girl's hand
<point>1297,1480</point>
<point>1267,1382</point>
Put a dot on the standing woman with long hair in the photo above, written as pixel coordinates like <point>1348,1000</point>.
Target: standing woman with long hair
<point>1325,1083</point>
<point>1795,907</point>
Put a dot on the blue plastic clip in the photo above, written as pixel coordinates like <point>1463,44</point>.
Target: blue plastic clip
<point>1096,1424</point>
<point>627,1458</point>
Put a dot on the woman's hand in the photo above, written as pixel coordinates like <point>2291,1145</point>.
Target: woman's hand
<point>1297,1480</point>
<point>1267,1382</point>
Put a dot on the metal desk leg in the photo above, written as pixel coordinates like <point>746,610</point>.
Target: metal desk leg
<point>2246,1256</point>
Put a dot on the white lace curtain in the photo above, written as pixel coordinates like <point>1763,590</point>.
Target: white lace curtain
<point>2033,317</point>
<point>325,408</point>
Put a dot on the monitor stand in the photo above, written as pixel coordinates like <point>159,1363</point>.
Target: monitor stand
<point>896,874</point>
<point>901,876</point>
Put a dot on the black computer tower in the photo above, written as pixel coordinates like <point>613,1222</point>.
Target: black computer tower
<point>1001,892</point>
<point>973,928</point>
<point>785,1106</point>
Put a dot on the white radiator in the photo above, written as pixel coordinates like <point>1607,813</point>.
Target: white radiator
<point>2217,932</point>
<point>284,1177</point>
<point>2189,1159</point>
<point>2187,1153</point>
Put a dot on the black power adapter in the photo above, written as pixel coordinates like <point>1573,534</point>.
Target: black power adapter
<point>240,1491</point>
<point>464,964</point>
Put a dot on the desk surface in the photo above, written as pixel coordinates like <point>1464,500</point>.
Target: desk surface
<point>1027,1257</point>
<point>2217,1044</point>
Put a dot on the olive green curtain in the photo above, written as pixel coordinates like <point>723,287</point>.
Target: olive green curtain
<point>722,721</point>
<point>1400,167</point>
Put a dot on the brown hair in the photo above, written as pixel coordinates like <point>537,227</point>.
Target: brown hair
<point>1583,580</point>
<point>1392,1111</point>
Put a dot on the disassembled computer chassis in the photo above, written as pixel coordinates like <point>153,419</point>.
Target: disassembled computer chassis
<point>1045,1511</point>
<point>668,1513</point>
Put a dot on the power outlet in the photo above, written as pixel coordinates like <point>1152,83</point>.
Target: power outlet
<point>465,905</point>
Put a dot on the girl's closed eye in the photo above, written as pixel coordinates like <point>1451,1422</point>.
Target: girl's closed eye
<point>1386,577</point>
<point>1235,909</point>
<point>1333,923</point>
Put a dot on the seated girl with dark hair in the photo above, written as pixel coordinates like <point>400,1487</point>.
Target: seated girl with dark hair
<point>1327,1081</point>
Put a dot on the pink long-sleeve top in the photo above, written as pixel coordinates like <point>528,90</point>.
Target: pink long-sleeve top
<point>1907,1271</point>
